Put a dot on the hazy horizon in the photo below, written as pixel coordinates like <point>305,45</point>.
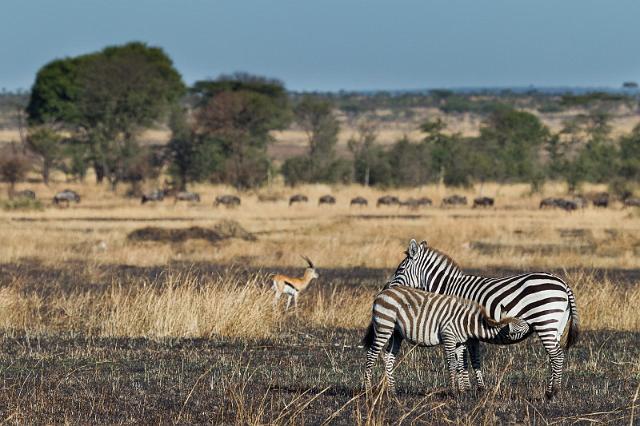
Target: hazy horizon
<point>332,45</point>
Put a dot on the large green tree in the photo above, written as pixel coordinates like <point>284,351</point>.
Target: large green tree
<point>370,164</point>
<point>512,140</point>
<point>316,117</point>
<point>630,155</point>
<point>596,156</point>
<point>192,158</point>
<point>234,117</point>
<point>46,143</point>
<point>106,99</point>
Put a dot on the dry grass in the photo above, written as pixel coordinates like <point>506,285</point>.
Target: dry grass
<point>189,305</point>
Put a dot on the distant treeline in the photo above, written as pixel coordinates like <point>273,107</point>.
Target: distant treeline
<point>88,112</point>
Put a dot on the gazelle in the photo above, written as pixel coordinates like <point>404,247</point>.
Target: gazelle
<point>292,286</point>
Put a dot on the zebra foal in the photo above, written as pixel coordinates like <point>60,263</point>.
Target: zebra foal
<point>430,319</point>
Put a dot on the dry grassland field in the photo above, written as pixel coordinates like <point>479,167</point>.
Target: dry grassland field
<point>99,326</point>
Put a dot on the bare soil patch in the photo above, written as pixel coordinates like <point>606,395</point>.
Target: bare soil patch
<point>221,231</point>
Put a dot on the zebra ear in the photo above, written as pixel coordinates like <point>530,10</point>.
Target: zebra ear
<point>413,248</point>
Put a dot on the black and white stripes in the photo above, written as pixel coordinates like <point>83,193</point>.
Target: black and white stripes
<point>430,319</point>
<point>541,299</point>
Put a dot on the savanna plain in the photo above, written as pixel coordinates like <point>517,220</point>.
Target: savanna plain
<point>101,326</point>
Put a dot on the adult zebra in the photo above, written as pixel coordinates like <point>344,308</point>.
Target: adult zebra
<point>543,300</point>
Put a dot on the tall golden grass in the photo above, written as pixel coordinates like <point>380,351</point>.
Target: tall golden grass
<point>187,305</point>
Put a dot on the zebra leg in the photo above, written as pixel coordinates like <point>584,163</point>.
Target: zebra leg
<point>463,368</point>
<point>476,361</point>
<point>381,337</point>
<point>556,359</point>
<point>450,352</point>
<point>390,358</point>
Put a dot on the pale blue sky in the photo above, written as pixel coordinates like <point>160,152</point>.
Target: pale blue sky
<point>342,44</point>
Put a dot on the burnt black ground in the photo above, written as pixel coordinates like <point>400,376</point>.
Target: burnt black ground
<point>70,276</point>
<point>58,378</point>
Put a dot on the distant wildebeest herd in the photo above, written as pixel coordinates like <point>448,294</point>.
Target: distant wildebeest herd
<point>598,200</point>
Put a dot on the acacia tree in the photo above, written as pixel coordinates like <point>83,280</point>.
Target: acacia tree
<point>106,99</point>
<point>366,154</point>
<point>13,167</point>
<point>233,118</point>
<point>45,142</point>
<point>630,155</point>
<point>192,158</point>
<point>512,140</point>
<point>315,116</point>
<point>596,157</point>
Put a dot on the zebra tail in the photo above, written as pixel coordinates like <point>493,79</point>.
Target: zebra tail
<point>367,340</point>
<point>574,327</point>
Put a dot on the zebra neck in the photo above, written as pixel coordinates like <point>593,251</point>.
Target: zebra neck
<point>442,283</point>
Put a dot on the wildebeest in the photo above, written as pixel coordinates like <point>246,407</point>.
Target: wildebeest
<point>483,202</point>
<point>155,195</point>
<point>560,203</point>
<point>298,198</point>
<point>187,196</point>
<point>27,194</point>
<point>227,200</point>
<point>548,202</point>
<point>632,202</point>
<point>454,200</point>
<point>327,199</point>
<point>414,203</point>
<point>601,199</point>
<point>66,196</point>
<point>359,201</point>
<point>388,200</point>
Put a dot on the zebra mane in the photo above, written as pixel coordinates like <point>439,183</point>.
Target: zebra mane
<point>442,255</point>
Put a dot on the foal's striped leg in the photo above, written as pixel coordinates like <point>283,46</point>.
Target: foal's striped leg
<point>463,368</point>
<point>449,342</point>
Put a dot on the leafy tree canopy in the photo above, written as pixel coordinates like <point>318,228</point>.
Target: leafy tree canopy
<point>130,85</point>
<point>267,102</point>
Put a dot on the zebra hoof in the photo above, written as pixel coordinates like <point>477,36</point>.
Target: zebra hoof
<point>549,395</point>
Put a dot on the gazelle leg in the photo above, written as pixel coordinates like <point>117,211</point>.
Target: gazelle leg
<point>288,302</point>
